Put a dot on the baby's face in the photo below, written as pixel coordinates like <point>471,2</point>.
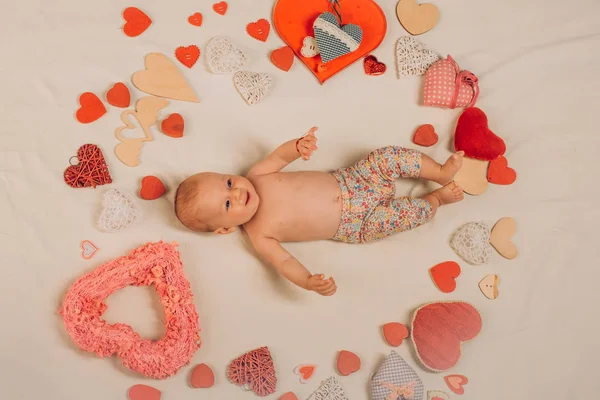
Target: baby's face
<point>226,200</point>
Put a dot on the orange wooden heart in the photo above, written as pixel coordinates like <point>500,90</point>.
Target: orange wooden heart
<point>173,125</point>
<point>136,21</point>
<point>347,363</point>
<point>394,333</point>
<point>283,58</point>
<point>202,376</point>
<point>152,188</point>
<point>119,95</point>
<point>425,135</point>
<point>91,108</point>
<point>499,172</point>
<point>294,19</point>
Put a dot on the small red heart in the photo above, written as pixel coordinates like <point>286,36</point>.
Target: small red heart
<point>259,30</point>
<point>444,275</point>
<point>499,172</point>
<point>425,135</point>
<point>173,125</point>
<point>305,371</point>
<point>220,8</point>
<point>91,108</point>
<point>283,58</point>
<point>202,375</point>
<point>347,363</point>
<point>473,136</point>
<point>187,55</point>
<point>136,21</point>
<point>195,19</point>
<point>289,396</point>
<point>91,171</point>
<point>119,95</point>
<point>372,66</point>
<point>143,392</point>
<point>152,188</point>
<point>394,333</point>
<point>456,382</point>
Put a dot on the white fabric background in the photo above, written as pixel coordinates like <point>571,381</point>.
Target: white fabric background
<point>538,64</point>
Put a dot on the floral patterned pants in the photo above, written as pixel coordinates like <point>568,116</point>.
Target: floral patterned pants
<point>370,210</point>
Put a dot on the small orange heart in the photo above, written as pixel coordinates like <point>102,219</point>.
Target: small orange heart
<point>91,108</point>
<point>152,188</point>
<point>119,95</point>
<point>143,392</point>
<point>283,58</point>
<point>220,8</point>
<point>305,371</point>
<point>173,125</point>
<point>456,382</point>
<point>394,333</point>
<point>187,55</point>
<point>499,173</point>
<point>136,21</point>
<point>289,396</point>
<point>347,363</point>
<point>425,136</point>
<point>259,30</point>
<point>195,19</point>
<point>202,376</point>
<point>444,275</point>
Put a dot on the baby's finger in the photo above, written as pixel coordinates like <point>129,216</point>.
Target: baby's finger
<point>330,291</point>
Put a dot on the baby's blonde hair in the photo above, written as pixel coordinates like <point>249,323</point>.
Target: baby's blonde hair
<point>185,196</point>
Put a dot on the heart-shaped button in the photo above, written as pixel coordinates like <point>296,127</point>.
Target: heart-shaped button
<point>220,8</point>
<point>347,362</point>
<point>439,330</point>
<point>119,95</point>
<point>292,20</point>
<point>306,371</point>
<point>501,235</point>
<point>489,286</point>
<point>425,135</point>
<point>253,87</point>
<point>283,58</point>
<point>88,249</point>
<point>202,376</point>
<point>223,57</point>
<point>195,19</point>
<point>455,383</point>
<point>91,108</point>
<point>417,18</point>
<point>259,30</point>
<point>334,40</point>
<point>499,173</point>
<point>444,275</point>
<point>474,137</point>
<point>413,57</point>
<point>187,55</point>
<point>91,171</point>
<point>152,188</point>
<point>162,78</point>
<point>394,333</point>
<point>309,47</point>
<point>173,125</point>
<point>372,66</point>
<point>136,21</point>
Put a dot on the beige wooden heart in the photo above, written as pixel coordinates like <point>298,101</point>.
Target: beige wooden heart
<point>472,176</point>
<point>417,18</point>
<point>501,235</point>
<point>162,78</point>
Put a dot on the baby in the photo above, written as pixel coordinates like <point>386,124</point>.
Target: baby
<point>353,205</point>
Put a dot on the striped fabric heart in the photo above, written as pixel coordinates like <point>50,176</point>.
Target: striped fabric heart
<point>335,41</point>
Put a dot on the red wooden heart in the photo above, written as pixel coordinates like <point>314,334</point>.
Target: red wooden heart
<point>202,376</point>
<point>394,333</point>
<point>195,19</point>
<point>152,188</point>
<point>283,58</point>
<point>444,275</point>
<point>438,329</point>
<point>473,136</point>
<point>499,172</point>
<point>294,19</point>
<point>425,135</point>
<point>119,95</point>
<point>136,21</point>
<point>173,125</point>
<point>259,30</point>
<point>372,66</point>
<point>91,108</point>
<point>91,171</point>
<point>347,363</point>
<point>187,55</point>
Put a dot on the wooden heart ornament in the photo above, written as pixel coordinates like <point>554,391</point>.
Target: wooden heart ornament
<point>283,58</point>
<point>173,125</point>
<point>119,95</point>
<point>91,108</point>
<point>499,173</point>
<point>425,135</point>
<point>500,238</point>
<point>474,137</point>
<point>152,188</point>
<point>394,333</point>
<point>417,18</point>
<point>472,176</point>
<point>439,329</point>
<point>162,78</point>
<point>347,363</point>
<point>444,275</point>
<point>293,21</point>
<point>136,21</point>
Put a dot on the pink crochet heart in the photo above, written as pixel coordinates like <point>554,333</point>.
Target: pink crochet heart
<point>449,87</point>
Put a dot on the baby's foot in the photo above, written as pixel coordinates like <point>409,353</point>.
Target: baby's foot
<point>451,193</point>
<point>451,167</point>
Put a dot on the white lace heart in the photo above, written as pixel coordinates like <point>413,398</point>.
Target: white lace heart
<point>413,57</point>
<point>223,57</point>
<point>252,86</point>
<point>119,211</point>
<point>472,242</point>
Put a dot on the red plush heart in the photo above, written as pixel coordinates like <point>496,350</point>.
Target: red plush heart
<point>152,188</point>
<point>425,136</point>
<point>473,136</point>
<point>91,108</point>
<point>173,125</point>
<point>187,55</point>
<point>372,66</point>
<point>91,171</point>
<point>202,376</point>
<point>394,333</point>
<point>499,172</point>
<point>119,95</point>
<point>136,21</point>
<point>444,275</point>
<point>347,363</point>
<point>438,329</point>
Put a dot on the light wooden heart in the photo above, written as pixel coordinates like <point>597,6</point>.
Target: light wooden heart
<point>417,18</point>
<point>501,235</point>
<point>162,78</point>
<point>472,177</point>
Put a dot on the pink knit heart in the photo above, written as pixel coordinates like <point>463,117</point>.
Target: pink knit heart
<point>449,87</point>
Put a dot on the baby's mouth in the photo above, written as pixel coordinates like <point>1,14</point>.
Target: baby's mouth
<point>247,198</point>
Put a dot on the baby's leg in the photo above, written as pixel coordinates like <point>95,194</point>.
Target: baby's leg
<point>442,174</point>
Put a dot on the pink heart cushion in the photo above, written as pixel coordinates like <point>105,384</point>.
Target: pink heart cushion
<point>449,87</point>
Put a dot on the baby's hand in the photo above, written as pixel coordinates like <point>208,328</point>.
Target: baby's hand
<point>325,287</point>
<point>307,144</point>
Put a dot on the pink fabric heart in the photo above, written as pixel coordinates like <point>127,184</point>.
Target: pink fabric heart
<point>449,87</point>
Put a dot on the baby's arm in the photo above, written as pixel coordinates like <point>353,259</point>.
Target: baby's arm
<point>285,154</point>
<point>288,266</point>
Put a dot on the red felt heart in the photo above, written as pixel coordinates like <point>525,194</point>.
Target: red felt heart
<point>425,135</point>
<point>455,383</point>
<point>119,95</point>
<point>473,136</point>
<point>91,108</point>
<point>394,333</point>
<point>202,376</point>
<point>195,19</point>
<point>499,172</point>
<point>289,396</point>
<point>259,30</point>
<point>444,275</point>
<point>294,19</point>
<point>372,66</point>
<point>283,58</point>
<point>152,188</point>
<point>347,363</point>
<point>173,125</point>
<point>136,21</point>
<point>438,329</point>
<point>220,8</point>
<point>143,392</point>
<point>187,55</point>
<point>91,171</point>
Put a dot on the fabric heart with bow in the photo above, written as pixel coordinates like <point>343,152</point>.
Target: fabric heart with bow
<point>448,87</point>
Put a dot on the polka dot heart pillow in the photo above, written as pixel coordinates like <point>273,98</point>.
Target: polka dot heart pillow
<point>449,87</point>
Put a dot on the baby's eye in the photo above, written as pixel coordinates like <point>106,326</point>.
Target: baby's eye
<point>229,183</point>
<point>227,204</point>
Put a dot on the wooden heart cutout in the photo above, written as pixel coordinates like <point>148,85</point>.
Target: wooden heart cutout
<point>444,275</point>
<point>489,286</point>
<point>187,55</point>
<point>88,249</point>
<point>202,376</point>
<point>90,171</point>
<point>501,235</point>
<point>173,125</point>
<point>347,363</point>
<point>283,58</point>
<point>394,333</point>
<point>136,21</point>
<point>91,108</point>
<point>499,173</point>
<point>456,382</point>
<point>162,78</point>
<point>472,176</point>
<point>306,371</point>
<point>152,188</point>
<point>293,22</point>
<point>259,30</point>
<point>143,392</point>
<point>119,95</point>
<point>474,137</point>
<point>417,18</point>
<point>425,136</point>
